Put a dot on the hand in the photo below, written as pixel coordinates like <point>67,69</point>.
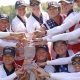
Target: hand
<point>25,76</point>
<point>20,71</point>
<point>39,41</point>
<point>40,34</point>
<point>41,72</point>
<point>41,64</point>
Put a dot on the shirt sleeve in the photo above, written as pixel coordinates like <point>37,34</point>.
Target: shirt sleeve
<point>10,77</point>
<point>65,36</point>
<point>4,43</point>
<point>65,76</point>
<point>66,25</point>
<point>62,61</point>
<point>4,34</point>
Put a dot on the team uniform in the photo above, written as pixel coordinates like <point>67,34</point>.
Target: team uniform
<point>4,76</point>
<point>34,23</point>
<point>64,76</point>
<point>66,67</point>
<point>18,25</point>
<point>51,23</point>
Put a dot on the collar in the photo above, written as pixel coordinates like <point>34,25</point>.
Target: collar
<point>40,20</point>
<point>70,12</point>
<point>23,21</point>
<point>7,71</point>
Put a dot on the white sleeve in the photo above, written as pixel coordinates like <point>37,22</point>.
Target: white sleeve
<point>65,76</point>
<point>4,34</point>
<point>10,77</point>
<point>66,25</point>
<point>65,36</point>
<point>62,61</point>
<point>4,43</point>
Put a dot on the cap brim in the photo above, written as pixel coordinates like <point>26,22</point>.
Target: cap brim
<point>21,5</point>
<point>3,18</point>
<point>52,6</point>
<point>34,3</point>
<point>65,1</point>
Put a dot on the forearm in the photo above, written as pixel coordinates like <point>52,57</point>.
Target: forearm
<point>65,76</point>
<point>66,25</point>
<point>4,34</point>
<point>61,60</point>
<point>4,43</point>
<point>66,36</point>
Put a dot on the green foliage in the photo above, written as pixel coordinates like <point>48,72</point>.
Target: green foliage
<point>10,10</point>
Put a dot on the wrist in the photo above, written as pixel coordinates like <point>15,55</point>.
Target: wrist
<point>45,32</point>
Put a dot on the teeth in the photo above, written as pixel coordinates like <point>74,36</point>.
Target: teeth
<point>77,67</point>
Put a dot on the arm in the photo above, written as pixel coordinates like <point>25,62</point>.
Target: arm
<point>66,25</point>
<point>4,43</point>
<point>61,60</point>
<point>65,76</point>
<point>65,36</point>
<point>4,34</point>
<point>59,76</point>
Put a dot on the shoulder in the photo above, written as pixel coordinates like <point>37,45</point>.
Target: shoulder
<point>49,68</point>
<point>69,16</point>
<point>70,52</point>
<point>45,14</point>
<point>1,67</point>
<point>15,20</point>
<point>31,20</point>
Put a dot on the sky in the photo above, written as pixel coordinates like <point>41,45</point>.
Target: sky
<point>12,2</point>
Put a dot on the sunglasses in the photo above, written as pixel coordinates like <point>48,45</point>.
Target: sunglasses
<point>75,63</point>
<point>35,4</point>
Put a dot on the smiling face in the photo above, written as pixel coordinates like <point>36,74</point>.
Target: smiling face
<point>78,3</point>
<point>66,7</point>
<point>76,64</point>
<point>4,23</point>
<point>41,55</point>
<point>60,48</point>
<point>8,59</point>
<point>21,11</point>
<point>36,9</point>
<point>53,11</point>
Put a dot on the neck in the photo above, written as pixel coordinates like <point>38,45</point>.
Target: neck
<point>58,19</point>
<point>22,17</point>
<point>9,66</point>
<point>38,14</point>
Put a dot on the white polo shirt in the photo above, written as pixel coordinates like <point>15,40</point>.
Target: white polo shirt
<point>3,75</point>
<point>33,24</point>
<point>17,25</point>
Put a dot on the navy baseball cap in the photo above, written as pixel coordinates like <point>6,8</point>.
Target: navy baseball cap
<point>67,1</point>
<point>9,50</point>
<point>54,4</point>
<point>77,56</point>
<point>76,59</point>
<point>44,47</point>
<point>4,16</point>
<point>20,3</point>
<point>34,2</point>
